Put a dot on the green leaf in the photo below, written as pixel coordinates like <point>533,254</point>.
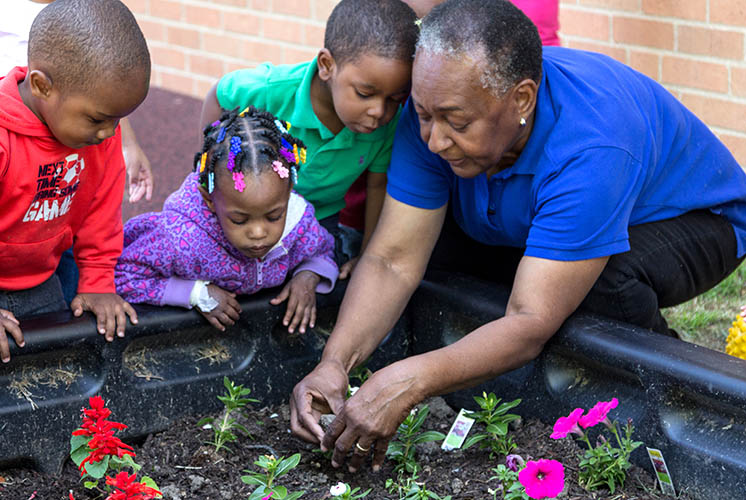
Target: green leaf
<point>287,464</point>
<point>258,480</point>
<point>429,436</point>
<point>501,429</point>
<point>258,493</point>
<point>90,484</point>
<point>150,482</point>
<point>471,441</point>
<point>204,421</point>
<point>79,455</point>
<point>77,442</point>
<point>280,492</point>
<point>98,469</point>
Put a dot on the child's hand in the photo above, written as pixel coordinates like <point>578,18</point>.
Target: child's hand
<point>9,324</point>
<point>302,303</point>
<point>109,309</point>
<point>346,270</point>
<point>227,311</point>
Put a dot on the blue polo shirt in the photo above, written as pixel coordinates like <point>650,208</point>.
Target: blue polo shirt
<point>610,148</point>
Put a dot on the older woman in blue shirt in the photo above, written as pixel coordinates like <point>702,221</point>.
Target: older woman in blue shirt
<point>566,174</point>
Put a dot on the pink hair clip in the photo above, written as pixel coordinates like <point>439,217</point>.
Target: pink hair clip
<point>238,182</point>
<point>281,169</point>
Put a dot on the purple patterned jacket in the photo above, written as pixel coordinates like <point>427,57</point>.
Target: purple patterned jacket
<point>166,252</point>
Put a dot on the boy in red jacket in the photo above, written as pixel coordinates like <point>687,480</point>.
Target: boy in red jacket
<point>61,165</point>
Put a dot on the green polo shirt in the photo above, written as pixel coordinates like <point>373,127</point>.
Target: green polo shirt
<point>333,162</point>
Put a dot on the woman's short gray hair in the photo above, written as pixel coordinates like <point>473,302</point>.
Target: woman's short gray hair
<point>493,31</point>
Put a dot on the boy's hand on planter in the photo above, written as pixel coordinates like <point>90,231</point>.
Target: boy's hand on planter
<point>9,324</point>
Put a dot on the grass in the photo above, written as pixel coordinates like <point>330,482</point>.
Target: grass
<point>705,319</point>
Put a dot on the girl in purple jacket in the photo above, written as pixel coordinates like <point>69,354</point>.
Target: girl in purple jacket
<point>235,226</point>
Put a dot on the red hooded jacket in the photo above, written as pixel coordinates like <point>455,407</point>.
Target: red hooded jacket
<point>53,196</point>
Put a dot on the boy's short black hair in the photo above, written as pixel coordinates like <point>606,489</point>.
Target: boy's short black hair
<point>385,28</point>
<point>79,42</point>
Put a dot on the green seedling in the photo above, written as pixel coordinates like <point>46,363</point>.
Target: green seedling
<point>495,418</point>
<point>273,469</point>
<point>402,449</point>
<point>224,429</point>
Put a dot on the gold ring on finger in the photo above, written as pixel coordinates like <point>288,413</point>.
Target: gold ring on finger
<point>364,450</point>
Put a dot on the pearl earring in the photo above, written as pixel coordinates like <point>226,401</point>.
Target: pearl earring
<point>522,122</point>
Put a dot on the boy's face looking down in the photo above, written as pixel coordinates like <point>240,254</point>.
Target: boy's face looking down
<point>366,91</point>
<point>83,118</point>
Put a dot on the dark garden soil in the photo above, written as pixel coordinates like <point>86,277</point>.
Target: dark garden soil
<point>185,468</point>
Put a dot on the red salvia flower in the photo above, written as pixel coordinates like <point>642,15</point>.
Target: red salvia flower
<point>129,489</point>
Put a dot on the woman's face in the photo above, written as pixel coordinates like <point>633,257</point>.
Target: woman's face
<point>463,122</point>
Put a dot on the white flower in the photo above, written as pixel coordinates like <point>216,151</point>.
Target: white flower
<point>353,390</point>
<point>338,489</point>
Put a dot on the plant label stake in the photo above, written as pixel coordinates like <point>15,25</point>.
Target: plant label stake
<point>661,471</point>
<point>459,429</point>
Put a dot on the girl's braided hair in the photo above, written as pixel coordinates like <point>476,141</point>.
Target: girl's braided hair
<point>252,141</point>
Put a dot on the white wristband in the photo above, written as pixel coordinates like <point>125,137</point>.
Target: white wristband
<point>201,298</point>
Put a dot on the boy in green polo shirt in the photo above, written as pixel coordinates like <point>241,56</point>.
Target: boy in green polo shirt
<point>343,105</point>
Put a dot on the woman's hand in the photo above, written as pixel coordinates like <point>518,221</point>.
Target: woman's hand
<point>321,392</point>
<point>227,311</point>
<point>301,290</point>
<point>370,418</point>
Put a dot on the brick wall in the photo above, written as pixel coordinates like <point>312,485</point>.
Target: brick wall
<point>696,48</point>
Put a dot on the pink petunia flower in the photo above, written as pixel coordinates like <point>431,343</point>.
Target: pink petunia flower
<point>514,462</point>
<point>566,425</point>
<point>598,414</point>
<point>542,478</point>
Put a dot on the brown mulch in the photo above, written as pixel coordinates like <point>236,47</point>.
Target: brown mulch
<point>185,468</point>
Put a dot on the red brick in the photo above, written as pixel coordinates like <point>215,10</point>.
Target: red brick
<point>585,24</point>
<point>153,31</point>
<point>284,30</point>
<point>298,8</point>
<point>183,37</point>
<point>239,22</point>
<point>710,42</point>
<point>293,56</point>
<point>259,52</point>
<point>684,9</point>
<point>203,87</point>
<point>322,9</point>
<point>315,36</point>
<point>737,146</point>
<point>714,112</point>
<point>728,12</point>
<point>628,5</point>
<point>265,5</point>
<point>203,65</point>
<point>177,83</point>
<point>166,9</point>
<point>235,3</point>
<point>643,32</point>
<point>202,16</point>
<point>646,63</point>
<point>164,56</point>
<point>137,6</point>
<point>738,81</point>
<point>227,45</point>
<point>616,52</point>
<point>695,74</point>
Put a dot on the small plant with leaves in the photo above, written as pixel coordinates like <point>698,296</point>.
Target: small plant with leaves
<point>410,489</point>
<point>402,449</point>
<point>507,474</point>
<point>224,428</point>
<point>273,468</point>
<point>345,492</point>
<point>97,451</point>
<point>496,419</point>
<point>602,465</point>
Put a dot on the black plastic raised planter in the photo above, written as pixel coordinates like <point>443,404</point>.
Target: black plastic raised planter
<point>687,401</point>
